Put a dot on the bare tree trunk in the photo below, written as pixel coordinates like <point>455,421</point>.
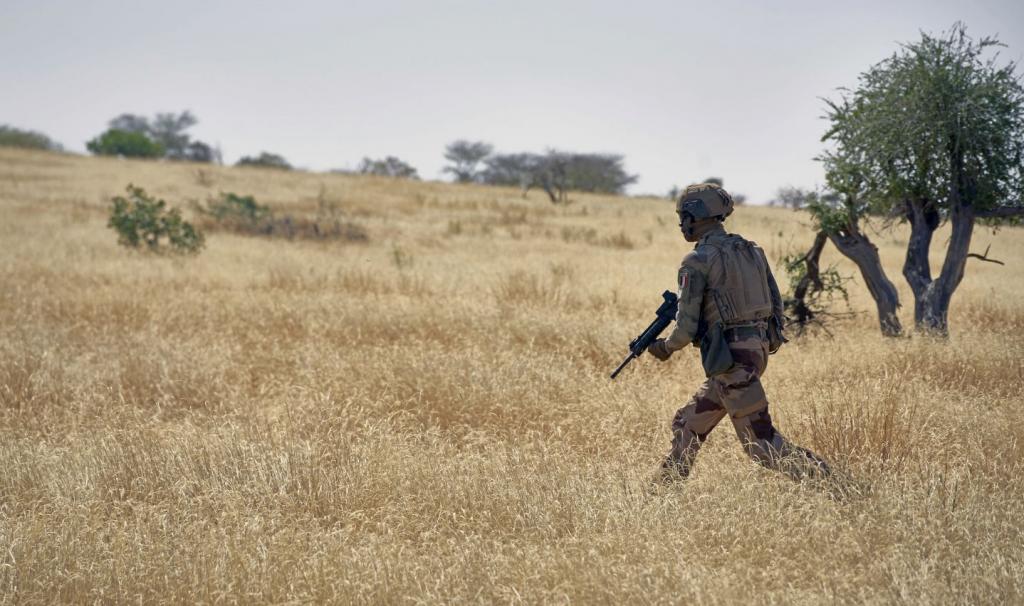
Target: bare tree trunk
<point>550,192</point>
<point>940,292</point>
<point>859,249</point>
<point>924,220</point>
<point>804,314</point>
<point>932,297</point>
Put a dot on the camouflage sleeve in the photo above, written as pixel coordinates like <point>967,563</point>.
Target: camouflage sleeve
<point>691,295</point>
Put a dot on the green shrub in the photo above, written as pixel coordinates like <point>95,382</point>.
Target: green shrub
<point>235,212</point>
<point>26,139</point>
<point>244,215</point>
<point>116,142</point>
<point>140,219</point>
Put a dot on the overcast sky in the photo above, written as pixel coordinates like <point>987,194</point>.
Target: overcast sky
<point>685,90</point>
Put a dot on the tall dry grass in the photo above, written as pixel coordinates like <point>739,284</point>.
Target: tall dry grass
<point>426,416</point>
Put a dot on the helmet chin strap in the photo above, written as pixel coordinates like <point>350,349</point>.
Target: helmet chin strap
<point>686,224</point>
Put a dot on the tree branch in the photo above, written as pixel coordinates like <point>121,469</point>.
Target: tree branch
<point>984,257</point>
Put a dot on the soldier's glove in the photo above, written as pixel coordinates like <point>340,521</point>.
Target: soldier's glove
<point>659,350</point>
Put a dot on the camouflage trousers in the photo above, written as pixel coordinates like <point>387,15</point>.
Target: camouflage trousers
<point>738,393</point>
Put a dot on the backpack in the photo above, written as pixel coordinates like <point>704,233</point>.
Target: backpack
<point>743,295</point>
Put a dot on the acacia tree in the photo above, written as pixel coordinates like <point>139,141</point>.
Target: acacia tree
<point>558,172</point>
<point>465,157</point>
<point>933,134</point>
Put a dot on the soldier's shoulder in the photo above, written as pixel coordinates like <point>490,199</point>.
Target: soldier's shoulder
<point>745,239</point>
<point>698,258</point>
<point>749,242</point>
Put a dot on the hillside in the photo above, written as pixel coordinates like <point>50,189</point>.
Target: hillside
<point>425,415</point>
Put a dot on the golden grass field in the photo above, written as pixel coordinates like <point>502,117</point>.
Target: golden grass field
<point>426,416</point>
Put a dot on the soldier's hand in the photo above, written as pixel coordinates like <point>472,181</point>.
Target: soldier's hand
<point>659,350</point>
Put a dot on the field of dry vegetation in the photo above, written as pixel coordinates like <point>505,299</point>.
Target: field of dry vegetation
<point>424,415</point>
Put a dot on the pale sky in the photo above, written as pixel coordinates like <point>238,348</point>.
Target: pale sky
<point>685,90</point>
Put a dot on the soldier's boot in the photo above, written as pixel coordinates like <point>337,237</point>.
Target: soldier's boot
<point>769,448</point>
<point>780,454</point>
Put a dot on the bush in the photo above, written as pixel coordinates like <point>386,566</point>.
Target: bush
<point>388,167</point>
<point>139,219</point>
<point>26,139</point>
<point>116,142</point>
<point>266,160</point>
<point>244,215</point>
<point>235,212</point>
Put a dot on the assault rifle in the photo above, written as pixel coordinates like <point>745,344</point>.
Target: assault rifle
<point>666,314</point>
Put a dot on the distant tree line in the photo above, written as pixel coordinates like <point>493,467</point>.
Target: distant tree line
<point>555,172</point>
<point>166,136</point>
<point>26,139</point>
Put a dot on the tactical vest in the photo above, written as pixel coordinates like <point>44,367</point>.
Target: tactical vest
<point>737,281</point>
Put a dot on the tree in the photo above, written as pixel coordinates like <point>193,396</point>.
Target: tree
<point>388,167</point>
<point>131,123</point>
<point>169,130</point>
<point>266,160</point>
<point>466,157</point>
<point>597,173</point>
<point>934,133</point>
<point>129,144</point>
<point>790,197</point>
<point>514,170</point>
<point>197,151</point>
<point>838,219</point>
<point>558,172</point>
<point>27,139</point>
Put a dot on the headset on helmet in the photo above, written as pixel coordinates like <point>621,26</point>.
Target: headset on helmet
<point>704,201</point>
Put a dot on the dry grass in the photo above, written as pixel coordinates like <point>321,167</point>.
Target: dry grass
<point>426,416</point>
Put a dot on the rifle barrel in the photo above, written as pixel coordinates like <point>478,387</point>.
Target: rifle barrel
<point>623,365</point>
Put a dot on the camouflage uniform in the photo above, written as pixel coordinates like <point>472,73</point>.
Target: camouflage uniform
<point>737,392</point>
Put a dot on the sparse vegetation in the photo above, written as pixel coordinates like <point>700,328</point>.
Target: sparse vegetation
<point>813,290</point>
<point>243,214</point>
<point>428,419</point>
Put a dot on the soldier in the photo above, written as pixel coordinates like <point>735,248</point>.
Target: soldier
<point>729,306</point>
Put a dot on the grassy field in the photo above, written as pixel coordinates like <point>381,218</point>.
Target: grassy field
<point>426,417</point>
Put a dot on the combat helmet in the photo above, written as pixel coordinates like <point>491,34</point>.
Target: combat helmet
<point>704,201</point>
